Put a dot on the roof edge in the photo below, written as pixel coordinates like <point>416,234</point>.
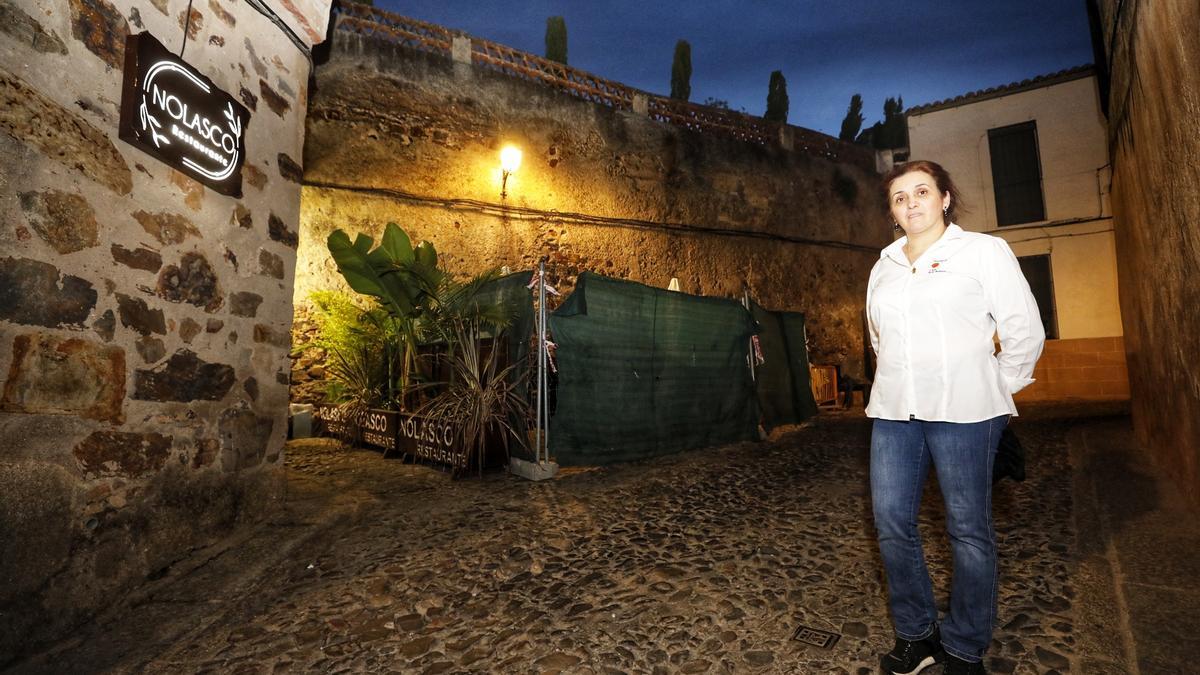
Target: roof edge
<point>1050,79</point>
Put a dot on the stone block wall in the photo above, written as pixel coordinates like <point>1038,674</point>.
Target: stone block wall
<point>1154,134</point>
<point>144,318</point>
<point>405,136</point>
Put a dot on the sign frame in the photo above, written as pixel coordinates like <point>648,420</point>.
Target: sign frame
<point>176,114</point>
<point>417,436</point>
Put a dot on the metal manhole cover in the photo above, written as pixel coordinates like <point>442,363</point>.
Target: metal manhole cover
<point>815,637</point>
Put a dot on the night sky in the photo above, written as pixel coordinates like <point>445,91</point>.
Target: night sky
<point>923,50</point>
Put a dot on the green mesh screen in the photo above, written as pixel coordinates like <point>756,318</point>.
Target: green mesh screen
<point>782,381</point>
<point>644,372</point>
<point>512,289</point>
<point>517,339</point>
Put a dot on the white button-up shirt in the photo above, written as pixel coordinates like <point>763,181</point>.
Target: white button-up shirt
<point>932,324</point>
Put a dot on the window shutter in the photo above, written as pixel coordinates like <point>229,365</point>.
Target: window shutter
<point>1036,269</point>
<point>1016,174</point>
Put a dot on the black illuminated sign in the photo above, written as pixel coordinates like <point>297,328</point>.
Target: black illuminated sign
<point>176,114</point>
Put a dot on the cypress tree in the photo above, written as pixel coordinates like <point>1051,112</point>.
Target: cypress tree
<point>893,132</point>
<point>777,98</point>
<point>681,71</point>
<point>853,121</point>
<point>556,39</point>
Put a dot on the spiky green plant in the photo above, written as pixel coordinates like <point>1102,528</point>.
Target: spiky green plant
<point>454,304</point>
<point>358,344</point>
<point>482,400</point>
<point>415,303</point>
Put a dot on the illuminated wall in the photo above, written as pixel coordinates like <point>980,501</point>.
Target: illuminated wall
<point>415,138</point>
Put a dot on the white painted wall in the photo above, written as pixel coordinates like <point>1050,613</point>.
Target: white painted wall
<point>1072,144</point>
<point>1083,265</point>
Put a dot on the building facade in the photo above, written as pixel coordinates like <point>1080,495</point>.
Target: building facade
<point>1031,160</point>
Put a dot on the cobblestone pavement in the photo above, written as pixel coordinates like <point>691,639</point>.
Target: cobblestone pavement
<point>704,562</point>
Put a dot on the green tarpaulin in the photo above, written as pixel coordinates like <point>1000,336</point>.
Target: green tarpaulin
<point>644,372</point>
<point>512,290</point>
<point>783,383</point>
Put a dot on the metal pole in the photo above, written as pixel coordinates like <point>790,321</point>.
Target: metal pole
<point>537,448</point>
<point>750,354</point>
<point>545,370</point>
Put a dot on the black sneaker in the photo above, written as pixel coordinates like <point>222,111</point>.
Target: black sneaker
<point>910,658</point>
<point>956,666</point>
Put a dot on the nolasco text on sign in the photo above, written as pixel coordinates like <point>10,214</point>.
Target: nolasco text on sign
<point>173,112</point>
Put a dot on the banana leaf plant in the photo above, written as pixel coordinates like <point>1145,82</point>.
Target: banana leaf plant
<point>403,278</point>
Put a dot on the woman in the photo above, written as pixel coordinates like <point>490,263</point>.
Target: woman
<point>934,301</point>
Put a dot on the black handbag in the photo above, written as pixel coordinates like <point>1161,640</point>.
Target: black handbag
<point>1010,458</point>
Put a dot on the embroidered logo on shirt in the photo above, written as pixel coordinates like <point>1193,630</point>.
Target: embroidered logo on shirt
<point>933,268</point>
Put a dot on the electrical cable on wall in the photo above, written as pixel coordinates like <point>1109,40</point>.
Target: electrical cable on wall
<point>261,8</point>
<point>1061,236</point>
<point>526,213</point>
<point>187,23</point>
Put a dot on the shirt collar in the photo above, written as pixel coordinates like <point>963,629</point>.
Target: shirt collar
<point>895,250</point>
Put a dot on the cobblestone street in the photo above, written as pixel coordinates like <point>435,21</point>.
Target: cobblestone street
<point>705,562</point>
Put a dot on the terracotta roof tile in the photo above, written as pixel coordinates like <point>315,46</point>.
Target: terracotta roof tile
<point>983,94</point>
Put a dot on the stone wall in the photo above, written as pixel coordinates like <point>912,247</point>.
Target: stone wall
<point>1154,130</point>
<point>404,136</point>
<point>144,319</point>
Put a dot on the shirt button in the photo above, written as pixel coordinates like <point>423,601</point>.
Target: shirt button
<point>914,270</point>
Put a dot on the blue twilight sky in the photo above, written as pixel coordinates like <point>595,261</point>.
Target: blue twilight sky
<point>923,50</point>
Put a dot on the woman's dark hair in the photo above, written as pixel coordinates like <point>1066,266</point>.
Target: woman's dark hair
<point>940,176</point>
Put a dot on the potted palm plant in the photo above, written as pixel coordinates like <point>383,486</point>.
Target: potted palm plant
<point>419,304</point>
<point>483,399</point>
<point>359,343</point>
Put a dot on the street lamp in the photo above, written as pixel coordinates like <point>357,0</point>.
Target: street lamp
<point>510,160</point>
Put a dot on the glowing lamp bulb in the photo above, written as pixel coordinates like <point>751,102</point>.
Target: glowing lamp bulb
<point>510,159</point>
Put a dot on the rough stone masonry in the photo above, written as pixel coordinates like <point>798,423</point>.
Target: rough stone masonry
<point>143,388</point>
<point>1155,136</point>
<point>400,135</point>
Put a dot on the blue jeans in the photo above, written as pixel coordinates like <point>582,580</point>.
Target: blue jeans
<point>962,454</point>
